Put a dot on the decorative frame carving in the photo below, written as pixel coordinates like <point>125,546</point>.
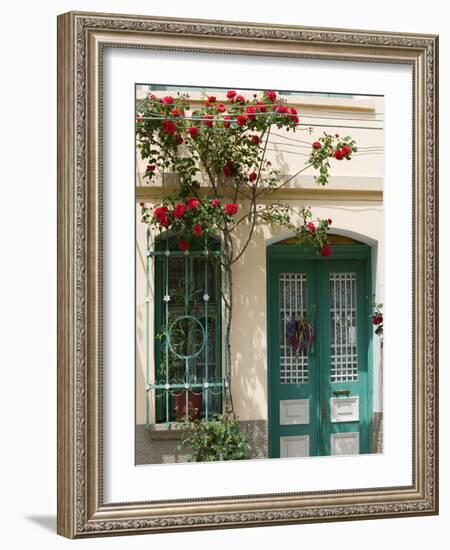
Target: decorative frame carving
<point>81,37</point>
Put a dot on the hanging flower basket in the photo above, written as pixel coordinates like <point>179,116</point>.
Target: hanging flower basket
<point>300,335</point>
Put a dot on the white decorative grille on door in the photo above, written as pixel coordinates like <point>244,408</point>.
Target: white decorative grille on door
<point>344,356</point>
<point>293,366</point>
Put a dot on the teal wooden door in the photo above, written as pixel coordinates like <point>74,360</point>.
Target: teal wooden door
<point>320,401</point>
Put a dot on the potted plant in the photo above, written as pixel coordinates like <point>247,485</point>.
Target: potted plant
<point>194,405</point>
<point>217,439</point>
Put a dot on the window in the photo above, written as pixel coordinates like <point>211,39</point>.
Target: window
<point>188,375</point>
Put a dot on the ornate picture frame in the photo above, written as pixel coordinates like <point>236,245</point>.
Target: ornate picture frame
<point>82,39</point>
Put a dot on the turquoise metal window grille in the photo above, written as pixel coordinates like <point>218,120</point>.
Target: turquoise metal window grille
<point>187,380</point>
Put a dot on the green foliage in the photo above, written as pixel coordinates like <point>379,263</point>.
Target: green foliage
<point>216,439</point>
<point>311,233</point>
<point>327,147</point>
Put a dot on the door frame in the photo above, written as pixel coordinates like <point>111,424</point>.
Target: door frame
<point>276,252</point>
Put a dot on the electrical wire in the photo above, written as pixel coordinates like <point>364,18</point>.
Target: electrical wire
<point>360,149</point>
<point>288,114</point>
<point>320,109</point>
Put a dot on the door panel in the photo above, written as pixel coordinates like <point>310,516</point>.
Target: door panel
<point>318,401</point>
<point>343,357</point>
<point>293,376</point>
<point>294,446</point>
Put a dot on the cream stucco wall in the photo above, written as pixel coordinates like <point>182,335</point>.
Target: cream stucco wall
<point>353,199</point>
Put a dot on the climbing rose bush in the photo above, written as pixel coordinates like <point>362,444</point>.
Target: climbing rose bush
<point>219,146</point>
<point>190,218</point>
<point>223,138</point>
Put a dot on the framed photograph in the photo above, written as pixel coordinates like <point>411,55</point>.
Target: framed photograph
<point>247,283</point>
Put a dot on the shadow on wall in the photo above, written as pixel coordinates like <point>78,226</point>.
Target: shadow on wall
<point>248,334</point>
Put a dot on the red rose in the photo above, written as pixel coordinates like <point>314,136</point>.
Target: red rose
<point>226,121</point>
<point>326,250</point>
<point>151,167</point>
<point>338,154</point>
<point>377,319</point>
<point>261,107</point>
<point>329,221</point>
<point>311,228</point>
<point>164,221</point>
<point>193,131</point>
<point>161,215</point>
<point>252,177</point>
<point>293,115</point>
<point>336,135</point>
<point>207,119</point>
<point>142,204</point>
<point>271,95</point>
<point>240,98</point>
<point>179,210</point>
<point>192,204</point>
<point>282,109</point>
<point>346,151</point>
<point>169,127</point>
<point>167,100</point>
<point>215,202</point>
<point>183,244</point>
<point>221,108</point>
<point>317,145</point>
<point>231,94</point>
<point>231,208</point>
<point>197,229</point>
<point>255,140</point>
<point>212,99</point>
<point>160,212</point>
<point>241,120</point>
<point>179,139</point>
<point>251,110</point>
<point>175,112</point>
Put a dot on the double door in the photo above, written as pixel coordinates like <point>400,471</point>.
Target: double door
<point>319,375</point>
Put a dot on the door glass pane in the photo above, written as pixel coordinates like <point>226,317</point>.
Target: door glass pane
<point>343,353</point>
<point>293,361</point>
